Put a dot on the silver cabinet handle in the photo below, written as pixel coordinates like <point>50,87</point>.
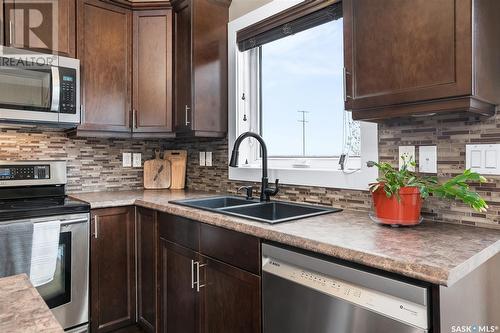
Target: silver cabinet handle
<point>345,85</point>
<point>11,32</point>
<point>198,285</point>
<point>134,118</point>
<point>192,274</point>
<point>187,109</point>
<point>96,227</point>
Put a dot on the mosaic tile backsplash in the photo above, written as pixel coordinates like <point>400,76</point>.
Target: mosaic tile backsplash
<point>450,133</point>
<point>95,164</point>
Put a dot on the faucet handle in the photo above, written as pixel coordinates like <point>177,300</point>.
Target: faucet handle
<point>275,190</point>
<point>249,191</point>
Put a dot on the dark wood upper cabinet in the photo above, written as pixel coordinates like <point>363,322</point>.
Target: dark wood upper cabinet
<point>230,299</point>
<point>105,53</point>
<point>44,26</point>
<point>200,67</point>
<point>147,272</point>
<point>152,83</point>
<point>112,269</point>
<point>179,305</point>
<point>410,57</point>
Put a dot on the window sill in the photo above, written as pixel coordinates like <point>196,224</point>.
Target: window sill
<point>357,180</point>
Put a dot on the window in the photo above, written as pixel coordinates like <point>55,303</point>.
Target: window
<point>289,87</point>
<point>302,93</point>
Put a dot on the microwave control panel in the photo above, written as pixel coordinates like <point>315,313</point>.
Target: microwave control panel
<point>68,90</point>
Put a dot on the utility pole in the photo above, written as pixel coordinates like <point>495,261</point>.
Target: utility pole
<point>303,121</point>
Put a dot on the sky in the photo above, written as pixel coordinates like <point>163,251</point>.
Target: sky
<point>304,72</point>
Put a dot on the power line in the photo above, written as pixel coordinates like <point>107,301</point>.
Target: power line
<point>303,121</point>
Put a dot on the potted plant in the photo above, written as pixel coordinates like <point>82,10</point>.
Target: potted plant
<point>398,194</point>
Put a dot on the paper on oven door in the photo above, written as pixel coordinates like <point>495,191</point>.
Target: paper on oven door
<point>44,252</point>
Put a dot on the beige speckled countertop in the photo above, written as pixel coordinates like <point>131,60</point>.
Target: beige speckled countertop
<point>22,309</point>
<point>435,252</point>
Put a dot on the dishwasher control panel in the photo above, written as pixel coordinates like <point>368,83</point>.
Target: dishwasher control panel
<point>384,304</point>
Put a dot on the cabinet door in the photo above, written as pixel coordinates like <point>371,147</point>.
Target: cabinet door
<point>230,299</point>
<point>209,66</point>
<point>183,77</point>
<point>401,51</point>
<point>147,282</point>
<point>179,300</point>
<point>45,25</point>
<point>112,269</point>
<point>152,72</point>
<point>104,49</point>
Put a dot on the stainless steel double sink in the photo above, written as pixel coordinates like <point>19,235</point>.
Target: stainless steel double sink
<point>269,212</point>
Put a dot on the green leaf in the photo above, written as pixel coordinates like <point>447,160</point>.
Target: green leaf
<point>455,188</point>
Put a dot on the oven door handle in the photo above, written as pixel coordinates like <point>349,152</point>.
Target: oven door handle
<point>56,89</point>
<point>74,221</point>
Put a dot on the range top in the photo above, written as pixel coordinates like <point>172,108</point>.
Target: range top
<point>16,209</point>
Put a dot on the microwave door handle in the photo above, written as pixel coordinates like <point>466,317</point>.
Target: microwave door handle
<point>56,89</point>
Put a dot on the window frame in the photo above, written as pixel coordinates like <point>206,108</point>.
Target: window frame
<point>323,172</point>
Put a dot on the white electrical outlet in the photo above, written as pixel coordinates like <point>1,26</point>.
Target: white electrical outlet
<point>427,159</point>
<point>136,160</point>
<point>409,153</point>
<point>202,158</point>
<point>208,158</point>
<point>127,160</point>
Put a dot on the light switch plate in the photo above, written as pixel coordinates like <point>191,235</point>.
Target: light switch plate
<point>484,159</point>
<point>202,158</point>
<point>427,159</point>
<point>409,152</point>
<point>208,158</point>
<point>127,160</point>
<point>136,160</point>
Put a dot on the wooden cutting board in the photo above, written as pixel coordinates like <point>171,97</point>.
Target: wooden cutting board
<point>157,173</point>
<point>178,161</point>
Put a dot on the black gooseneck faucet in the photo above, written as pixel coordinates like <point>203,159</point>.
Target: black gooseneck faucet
<point>265,191</point>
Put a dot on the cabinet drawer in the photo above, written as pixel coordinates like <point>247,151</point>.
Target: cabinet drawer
<point>232,247</point>
<point>179,230</point>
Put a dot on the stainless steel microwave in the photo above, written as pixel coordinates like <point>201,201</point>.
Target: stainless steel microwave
<point>39,88</point>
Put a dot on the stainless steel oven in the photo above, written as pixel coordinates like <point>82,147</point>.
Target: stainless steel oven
<point>36,87</point>
<point>67,293</point>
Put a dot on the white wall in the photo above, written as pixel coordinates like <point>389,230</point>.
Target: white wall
<point>241,7</point>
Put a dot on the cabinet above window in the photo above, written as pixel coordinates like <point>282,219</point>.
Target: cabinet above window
<point>417,57</point>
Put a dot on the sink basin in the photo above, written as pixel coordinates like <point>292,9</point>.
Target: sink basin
<point>276,211</point>
<point>215,202</point>
<point>269,212</point>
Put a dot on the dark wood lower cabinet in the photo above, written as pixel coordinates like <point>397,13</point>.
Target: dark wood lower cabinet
<point>147,263</point>
<point>112,268</point>
<point>191,278</point>
<point>179,305</point>
<point>230,299</point>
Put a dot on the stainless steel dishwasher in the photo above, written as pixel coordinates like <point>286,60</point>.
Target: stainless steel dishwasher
<point>304,294</point>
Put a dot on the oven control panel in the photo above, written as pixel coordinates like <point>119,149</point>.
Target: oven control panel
<point>24,172</point>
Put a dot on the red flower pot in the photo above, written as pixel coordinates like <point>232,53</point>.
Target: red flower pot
<point>405,211</point>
